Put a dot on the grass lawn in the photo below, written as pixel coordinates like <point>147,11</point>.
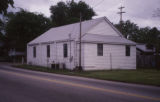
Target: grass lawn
<point>140,76</point>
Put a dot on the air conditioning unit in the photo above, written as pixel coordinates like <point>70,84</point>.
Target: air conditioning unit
<point>62,66</point>
<point>30,63</point>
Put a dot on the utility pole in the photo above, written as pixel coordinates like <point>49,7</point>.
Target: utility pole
<point>111,60</point>
<point>80,67</point>
<point>121,14</point>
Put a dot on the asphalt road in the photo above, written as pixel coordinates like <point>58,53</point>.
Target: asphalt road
<point>19,85</point>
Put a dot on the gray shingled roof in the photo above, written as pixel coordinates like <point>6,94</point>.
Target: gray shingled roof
<point>143,48</point>
<point>62,33</point>
<point>106,39</point>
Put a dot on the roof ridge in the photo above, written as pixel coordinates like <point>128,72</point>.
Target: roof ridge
<point>77,22</point>
<point>102,35</point>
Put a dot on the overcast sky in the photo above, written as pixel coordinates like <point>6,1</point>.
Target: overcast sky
<point>138,11</point>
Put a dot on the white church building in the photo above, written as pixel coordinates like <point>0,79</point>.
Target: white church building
<point>102,47</point>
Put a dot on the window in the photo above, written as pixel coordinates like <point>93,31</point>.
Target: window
<point>48,51</point>
<point>34,51</point>
<point>127,50</point>
<point>65,50</point>
<point>100,49</point>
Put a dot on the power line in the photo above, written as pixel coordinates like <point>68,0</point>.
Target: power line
<point>98,4</point>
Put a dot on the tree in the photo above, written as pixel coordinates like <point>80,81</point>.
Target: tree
<point>81,7</point>
<point>1,26</point>
<point>142,35</point>
<point>148,36</point>
<point>66,13</point>
<point>128,29</point>
<point>133,32</point>
<point>24,26</point>
<point>59,13</point>
<point>154,40</point>
<point>4,5</point>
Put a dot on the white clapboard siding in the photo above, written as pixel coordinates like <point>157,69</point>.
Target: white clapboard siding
<point>33,60</point>
<point>103,28</point>
<point>60,57</point>
<point>94,31</point>
<point>90,60</point>
<point>56,55</point>
<point>119,59</point>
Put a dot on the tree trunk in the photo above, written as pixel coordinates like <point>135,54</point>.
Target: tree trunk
<point>157,57</point>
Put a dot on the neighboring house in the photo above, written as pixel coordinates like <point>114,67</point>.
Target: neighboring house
<point>145,56</point>
<point>13,52</point>
<point>103,47</point>
<point>16,56</point>
<point>142,49</point>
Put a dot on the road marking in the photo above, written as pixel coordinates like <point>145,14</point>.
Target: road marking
<point>84,86</point>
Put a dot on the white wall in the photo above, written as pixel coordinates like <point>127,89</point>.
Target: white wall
<point>90,60</point>
<point>103,28</point>
<point>119,59</point>
<point>56,55</point>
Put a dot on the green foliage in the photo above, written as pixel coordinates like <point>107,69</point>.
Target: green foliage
<point>154,40</point>
<point>135,33</point>
<point>59,13</point>
<point>143,76</point>
<point>2,36</point>
<point>66,13</point>
<point>128,29</point>
<point>4,4</point>
<point>75,9</point>
<point>3,46</point>
<point>142,35</point>
<point>24,26</point>
<point>1,27</point>
<point>153,35</point>
<point>148,36</point>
